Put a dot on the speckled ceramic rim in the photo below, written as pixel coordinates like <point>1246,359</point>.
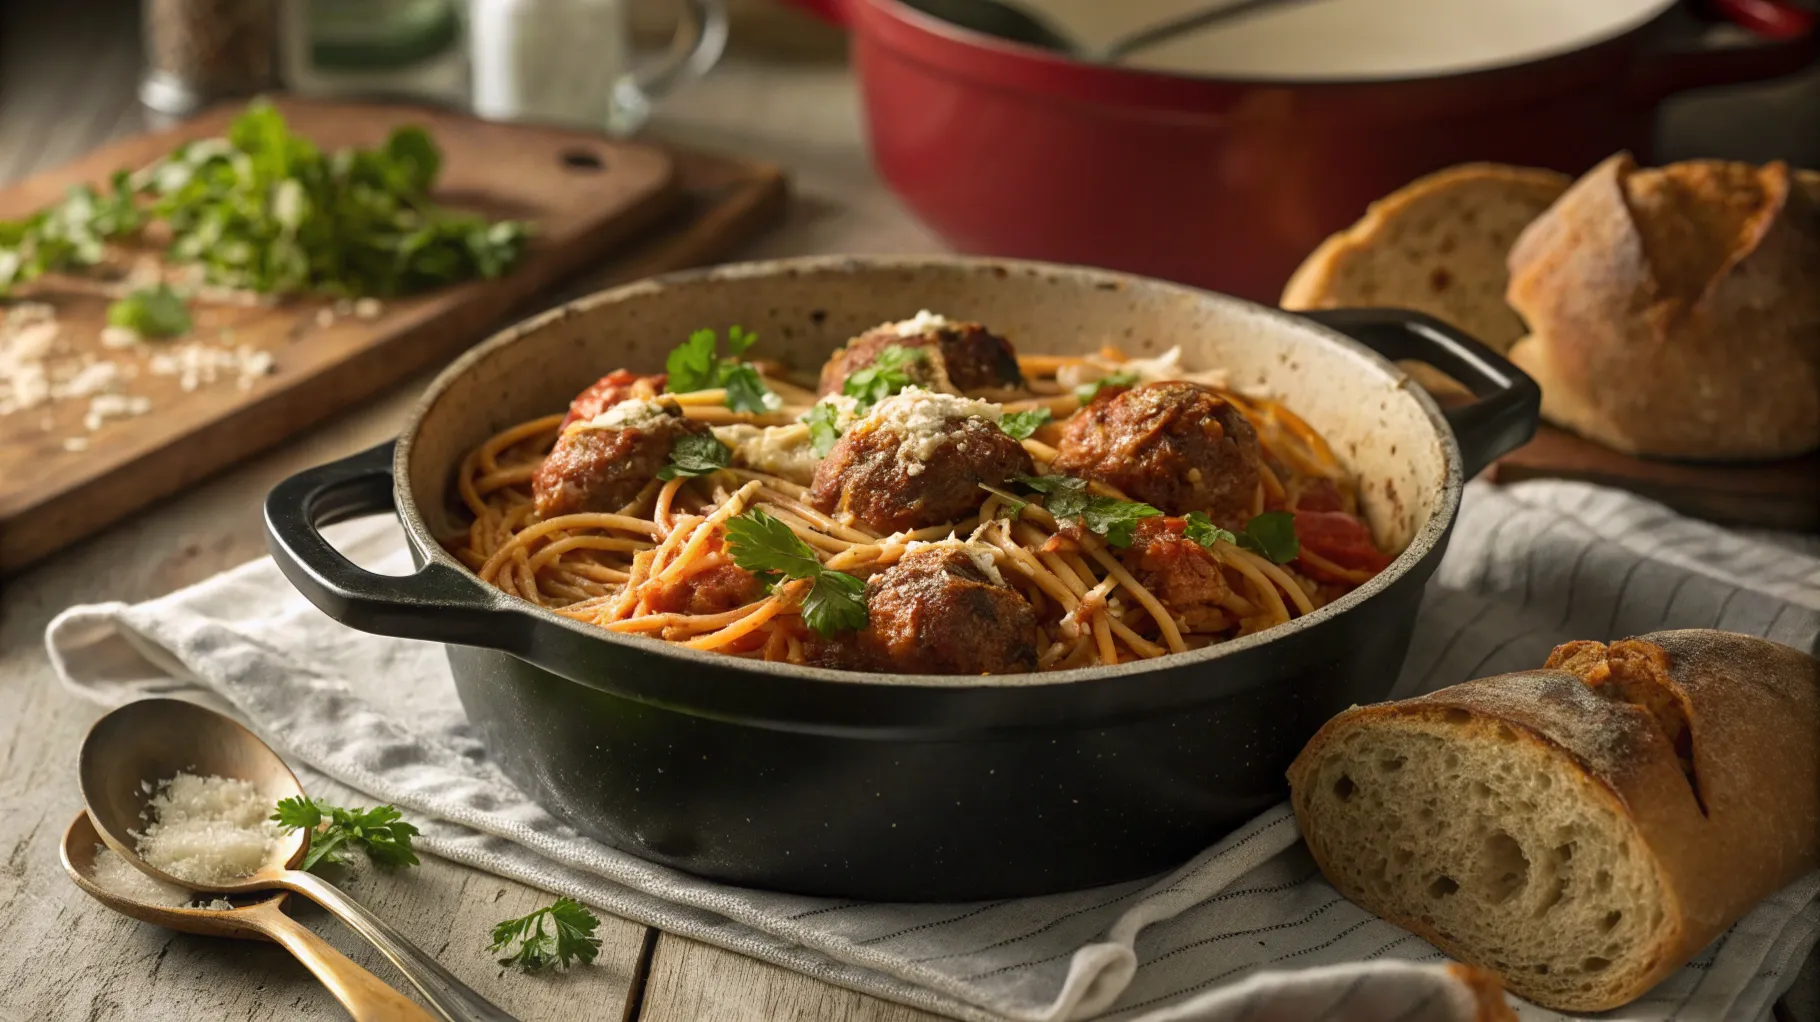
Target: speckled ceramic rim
<point>1420,544</point>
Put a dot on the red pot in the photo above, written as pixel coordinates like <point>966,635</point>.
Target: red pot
<point>1228,183</point>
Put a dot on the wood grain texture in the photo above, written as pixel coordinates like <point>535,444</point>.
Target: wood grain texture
<point>50,495</point>
<point>694,982</point>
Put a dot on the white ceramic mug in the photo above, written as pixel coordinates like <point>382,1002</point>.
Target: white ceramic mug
<point>569,62</point>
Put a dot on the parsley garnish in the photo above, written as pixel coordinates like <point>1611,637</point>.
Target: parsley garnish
<point>766,547</point>
<point>824,429</point>
<point>695,365</point>
<point>886,375</point>
<point>696,454</point>
<point>1019,425</point>
<point>151,312</point>
<point>1271,535</point>
<point>69,234</point>
<point>386,837</point>
<point>1067,497</point>
<point>1088,391</point>
<point>573,939</point>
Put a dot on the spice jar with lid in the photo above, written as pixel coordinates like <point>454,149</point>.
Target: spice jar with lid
<point>201,50</point>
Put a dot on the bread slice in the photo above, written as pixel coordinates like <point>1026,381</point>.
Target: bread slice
<point>1581,830</point>
<point>1437,245</point>
<point>1675,311</point>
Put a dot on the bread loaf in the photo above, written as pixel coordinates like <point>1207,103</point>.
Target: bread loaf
<point>1581,830</point>
<point>1676,311</point>
<point>1437,245</point>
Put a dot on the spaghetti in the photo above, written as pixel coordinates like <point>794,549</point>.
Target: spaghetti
<point>1094,600</point>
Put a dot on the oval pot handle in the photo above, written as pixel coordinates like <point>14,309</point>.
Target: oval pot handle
<point>437,603</point>
<point>1682,54</point>
<point>1508,403</point>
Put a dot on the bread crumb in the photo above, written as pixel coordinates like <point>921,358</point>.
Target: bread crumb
<point>75,444</point>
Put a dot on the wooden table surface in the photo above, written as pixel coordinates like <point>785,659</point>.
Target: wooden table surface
<point>67,75</point>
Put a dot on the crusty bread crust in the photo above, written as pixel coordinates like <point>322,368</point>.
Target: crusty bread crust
<point>1675,312</point>
<point>1436,245</point>
<point>1753,714</point>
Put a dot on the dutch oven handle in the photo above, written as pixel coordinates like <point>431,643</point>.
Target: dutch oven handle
<point>1508,405</point>
<point>437,603</point>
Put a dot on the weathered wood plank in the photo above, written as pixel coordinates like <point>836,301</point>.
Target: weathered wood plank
<point>694,982</point>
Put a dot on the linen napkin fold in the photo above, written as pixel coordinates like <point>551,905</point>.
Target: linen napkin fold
<point>1248,930</point>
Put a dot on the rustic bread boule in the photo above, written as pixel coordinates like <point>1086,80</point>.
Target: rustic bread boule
<point>1582,830</point>
<point>1437,245</point>
<point>1675,312</point>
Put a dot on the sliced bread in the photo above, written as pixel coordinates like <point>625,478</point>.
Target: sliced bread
<point>1437,245</point>
<point>1581,830</point>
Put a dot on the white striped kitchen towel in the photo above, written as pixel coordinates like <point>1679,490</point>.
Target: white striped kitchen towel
<point>1246,931</point>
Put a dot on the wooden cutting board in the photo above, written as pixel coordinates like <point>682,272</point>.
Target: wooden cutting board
<point>589,197</point>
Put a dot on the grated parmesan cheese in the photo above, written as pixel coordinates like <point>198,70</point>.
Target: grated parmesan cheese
<point>922,417</point>
<point>28,332</point>
<point>208,830</point>
<point>115,875</point>
<point>198,364</point>
<point>634,413</point>
<point>103,407</point>
<point>918,325</point>
<point>983,555</point>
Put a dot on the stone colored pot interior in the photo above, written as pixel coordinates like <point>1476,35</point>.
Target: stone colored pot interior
<point>802,310</point>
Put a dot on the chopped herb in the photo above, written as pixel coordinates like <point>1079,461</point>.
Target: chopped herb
<point>1088,391</point>
<point>886,375</point>
<point>152,312</point>
<point>769,549</point>
<point>573,938</point>
<point>1019,425</point>
<point>696,454</point>
<point>68,235</point>
<point>1067,497</point>
<point>824,429</point>
<point>1271,535</point>
<point>694,365</point>
<point>386,837</point>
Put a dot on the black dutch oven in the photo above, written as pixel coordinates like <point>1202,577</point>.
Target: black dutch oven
<point>894,787</point>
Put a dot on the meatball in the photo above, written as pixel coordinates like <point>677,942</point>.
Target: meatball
<point>1179,572</point>
<point>1177,446</point>
<point>618,385</point>
<point>938,611</point>
<point>714,591</point>
<point>602,467</point>
<point>917,460</point>
<point>958,356</point>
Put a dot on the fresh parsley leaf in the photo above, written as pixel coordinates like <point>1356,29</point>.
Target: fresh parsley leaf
<point>1019,425</point>
<point>1010,509</point>
<point>571,940</point>
<point>769,549</point>
<point>1201,529</point>
<point>824,429</point>
<point>694,365</point>
<point>887,374</point>
<point>152,311</point>
<point>1121,378</point>
<point>1067,497</point>
<point>67,235</point>
<point>380,831</point>
<point>1272,535</point>
<point>696,454</point>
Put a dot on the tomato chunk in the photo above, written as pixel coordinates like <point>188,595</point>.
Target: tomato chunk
<point>1339,538</point>
<point>610,390</point>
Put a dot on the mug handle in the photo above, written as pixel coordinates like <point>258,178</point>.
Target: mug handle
<point>437,603</point>
<point>701,37</point>
<point>1508,403</point>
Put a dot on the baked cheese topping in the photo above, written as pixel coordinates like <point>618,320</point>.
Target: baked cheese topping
<point>777,450</point>
<point>923,418</point>
<point>631,414</point>
<point>983,555</point>
<point>921,323</point>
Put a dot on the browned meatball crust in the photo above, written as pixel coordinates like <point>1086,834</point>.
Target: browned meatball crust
<point>967,357</point>
<point>601,470</point>
<point>865,476</point>
<point>714,591</point>
<point>1176,446</point>
<point>1179,572</point>
<point>936,612</point>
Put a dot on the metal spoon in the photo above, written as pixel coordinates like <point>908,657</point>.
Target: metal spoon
<point>365,997</point>
<point>1019,24</point>
<point>147,741</point>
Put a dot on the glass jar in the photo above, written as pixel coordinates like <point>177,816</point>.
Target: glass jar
<point>197,51</point>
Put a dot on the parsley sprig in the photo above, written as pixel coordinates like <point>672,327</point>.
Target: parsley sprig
<point>696,364</point>
<point>769,549</point>
<point>1271,535</point>
<point>151,312</point>
<point>1019,425</point>
<point>69,234</point>
<point>888,373</point>
<point>696,454</point>
<point>1119,378</point>
<point>823,421</point>
<point>1067,497</point>
<point>380,831</point>
<point>571,938</point>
